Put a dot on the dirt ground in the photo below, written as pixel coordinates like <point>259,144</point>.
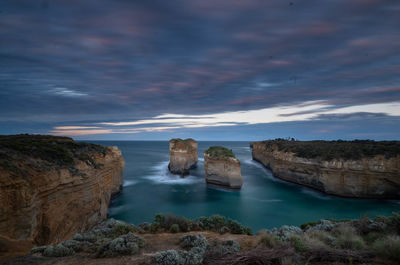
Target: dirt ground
<point>155,243</point>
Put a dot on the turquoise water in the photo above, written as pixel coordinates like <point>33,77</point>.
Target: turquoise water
<point>263,201</point>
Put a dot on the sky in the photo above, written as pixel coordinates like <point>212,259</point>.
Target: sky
<point>207,69</point>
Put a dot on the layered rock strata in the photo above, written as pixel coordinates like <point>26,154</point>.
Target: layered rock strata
<point>183,156</point>
<point>222,167</point>
<point>363,176</point>
<point>53,187</point>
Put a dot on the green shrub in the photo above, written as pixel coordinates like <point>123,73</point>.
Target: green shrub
<point>268,240</point>
<point>219,151</point>
<point>347,237</point>
<point>309,224</point>
<point>370,238</point>
<point>170,219</point>
<point>174,228</point>
<point>322,236</point>
<point>328,150</point>
<point>388,248</point>
<point>298,244</point>
<point>159,218</point>
<point>154,227</point>
<point>122,228</point>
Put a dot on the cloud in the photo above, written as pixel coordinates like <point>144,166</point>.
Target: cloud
<point>104,61</point>
<point>305,111</point>
<point>65,92</point>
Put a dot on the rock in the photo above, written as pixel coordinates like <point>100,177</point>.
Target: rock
<point>53,187</point>
<point>364,177</point>
<point>183,156</point>
<point>222,167</point>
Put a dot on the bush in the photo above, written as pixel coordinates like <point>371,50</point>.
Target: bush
<point>171,219</point>
<point>321,236</point>
<point>194,256</point>
<point>168,257</point>
<point>388,248</point>
<point>57,251</point>
<point>298,243</point>
<point>219,152</point>
<point>174,228</point>
<point>328,150</point>
<point>309,224</point>
<point>268,240</point>
<point>128,244</point>
<point>122,229</point>
<point>347,237</point>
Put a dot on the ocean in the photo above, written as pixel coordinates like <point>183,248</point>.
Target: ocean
<point>263,201</point>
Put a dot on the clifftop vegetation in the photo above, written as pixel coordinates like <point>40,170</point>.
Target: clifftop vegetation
<point>219,151</point>
<point>329,150</point>
<point>59,151</point>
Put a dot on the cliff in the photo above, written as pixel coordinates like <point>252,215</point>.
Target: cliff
<point>183,156</point>
<point>361,169</point>
<point>53,187</point>
<point>222,167</point>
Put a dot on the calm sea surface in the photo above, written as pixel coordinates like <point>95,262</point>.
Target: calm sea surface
<point>263,201</point>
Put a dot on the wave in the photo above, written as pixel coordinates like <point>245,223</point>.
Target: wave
<point>129,183</point>
<point>161,175</point>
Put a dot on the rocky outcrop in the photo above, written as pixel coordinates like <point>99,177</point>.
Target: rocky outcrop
<point>182,156</point>
<point>374,176</point>
<point>53,187</point>
<point>222,167</point>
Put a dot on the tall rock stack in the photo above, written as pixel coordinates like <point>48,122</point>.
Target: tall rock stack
<point>222,167</point>
<point>183,156</point>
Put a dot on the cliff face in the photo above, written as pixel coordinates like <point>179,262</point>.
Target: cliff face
<point>366,177</point>
<point>222,170</point>
<point>183,155</point>
<point>52,188</point>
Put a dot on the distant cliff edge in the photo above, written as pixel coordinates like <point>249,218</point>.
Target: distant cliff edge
<point>53,187</point>
<point>359,169</point>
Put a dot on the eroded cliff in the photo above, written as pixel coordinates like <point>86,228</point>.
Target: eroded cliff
<point>350,169</point>
<point>53,187</point>
<point>182,156</point>
<point>222,167</point>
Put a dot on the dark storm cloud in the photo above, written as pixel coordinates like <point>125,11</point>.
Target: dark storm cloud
<point>91,61</point>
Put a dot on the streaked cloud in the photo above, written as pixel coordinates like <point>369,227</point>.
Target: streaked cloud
<point>131,66</point>
<point>304,111</point>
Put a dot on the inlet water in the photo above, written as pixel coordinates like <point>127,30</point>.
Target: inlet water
<point>263,201</point>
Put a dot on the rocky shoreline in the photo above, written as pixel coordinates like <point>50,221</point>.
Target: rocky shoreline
<point>52,187</point>
<point>362,176</point>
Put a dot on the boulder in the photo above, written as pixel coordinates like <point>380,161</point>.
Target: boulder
<point>222,167</point>
<point>183,156</point>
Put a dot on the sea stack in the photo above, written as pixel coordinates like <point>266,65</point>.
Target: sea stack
<point>182,156</point>
<point>53,187</point>
<point>222,167</point>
